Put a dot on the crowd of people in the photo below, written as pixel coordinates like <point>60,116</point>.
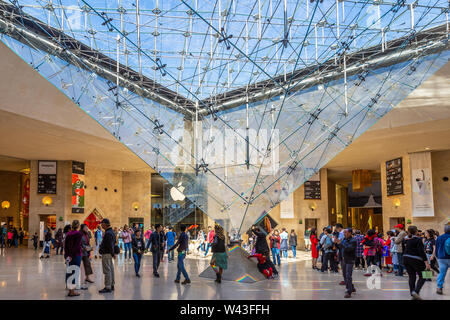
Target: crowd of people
<point>10,237</point>
<point>335,248</point>
<point>133,241</point>
<point>412,250</point>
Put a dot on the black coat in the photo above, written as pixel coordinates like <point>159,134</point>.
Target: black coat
<point>108,242</point>
<point>138,245</point>
<point>261,245</point>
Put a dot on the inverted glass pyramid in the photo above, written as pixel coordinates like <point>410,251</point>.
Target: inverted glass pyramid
<point>235,103</point>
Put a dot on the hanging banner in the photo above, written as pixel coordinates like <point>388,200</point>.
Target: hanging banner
<point>421,185</point>
<point>287,207</point>
<point>77,187</point>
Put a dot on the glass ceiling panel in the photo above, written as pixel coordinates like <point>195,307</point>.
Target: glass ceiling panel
<point>260,39</point>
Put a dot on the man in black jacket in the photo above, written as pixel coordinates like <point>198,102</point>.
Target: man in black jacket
<point>107,252</point>
<point>157,244</point>
<point>348,247</point>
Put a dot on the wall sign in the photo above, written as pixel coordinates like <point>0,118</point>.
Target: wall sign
<point>394,177</point>
<point>47,177</point>
<point>312,188</point>
<point>77,187</point>
<point>421,185</point>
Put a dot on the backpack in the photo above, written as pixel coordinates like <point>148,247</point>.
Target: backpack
<point>447,246</point>
<point>328,243</point>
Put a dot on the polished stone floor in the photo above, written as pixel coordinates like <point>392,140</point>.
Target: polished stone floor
<point>24,276</point>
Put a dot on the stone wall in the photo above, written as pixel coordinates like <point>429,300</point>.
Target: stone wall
<point>10,191</point>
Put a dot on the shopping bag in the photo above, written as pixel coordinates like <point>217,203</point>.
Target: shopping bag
<point>427,274</point>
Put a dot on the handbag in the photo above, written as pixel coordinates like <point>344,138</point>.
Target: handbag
<point>116,249</point>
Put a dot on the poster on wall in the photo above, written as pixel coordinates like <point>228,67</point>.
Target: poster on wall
<point>421,185</point>
<point>26,198</point>
<point>41,230</point>
<point>287,207</point>
<point>77,187</point>
<point>46,177</point>
<point>312,188</point>
<point>394,177</point>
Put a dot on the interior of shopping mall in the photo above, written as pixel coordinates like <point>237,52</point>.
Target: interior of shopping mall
<point>220,130</point>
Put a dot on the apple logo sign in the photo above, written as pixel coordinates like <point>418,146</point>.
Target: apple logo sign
<point>177,193</point>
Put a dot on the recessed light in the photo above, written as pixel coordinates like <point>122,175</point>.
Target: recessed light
<point>426,148</point>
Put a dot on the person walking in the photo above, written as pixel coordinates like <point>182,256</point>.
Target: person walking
<point>156,248</point>
<point>209,239</point>
<point>219,259</point>
<point>415,262</point>
<point>370,244</point>
<point>59,242</point>
<point>399,241</point>
<point>35,239</point>
<point>443,257</point>
<point>307,237</point>
<point>47,244</point>
<point>387,254</point>
<point>359,260</point>
<point>126,237</point>
<point>86,253</point>
<point>284,236</point>
<point>293,243</point>
<point>15,237</point>
<point>314,251</point>
<point>73,253</point>
<point>147,235</point>
<point>138,246</point>
<point>182,243</point>
<point>107,253</point>
<point>170,242</point>
<point>21,235</point>
<point>275,246</point>
<point>348,247</point>
<point>98,237</point>
<point>430,249</point>
<point>326,242</point>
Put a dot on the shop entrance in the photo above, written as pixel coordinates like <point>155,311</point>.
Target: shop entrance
<point>395,221</point>
<point>310,223</point>
<point>138,221</point>
<point>365,209</point>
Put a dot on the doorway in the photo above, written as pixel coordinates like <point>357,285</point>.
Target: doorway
<point>395,221</point>
<point>310,223</point>
<point>138,221</point>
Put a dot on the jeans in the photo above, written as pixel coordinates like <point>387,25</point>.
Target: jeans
<point>414,267</point>
<point>329,256</point>
<point>294,251</point>
<point>108,270</point>
<point>401,266</point>
<point>347,270</point>
<point>276,255</point>
<point>360,261</point>
<point>137,262</point>
<point>127,248</point>
<point>170,255</point>
<point>444,264</point>
<point>180,267</point>
<point>97,247</point>
<point>284,253</point>
<point>121,244</point>
<point>59,250</point>
<point>156,260</point>
<point>207,248</point>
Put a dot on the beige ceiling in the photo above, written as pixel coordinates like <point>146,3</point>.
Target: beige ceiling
<point>37,121</point>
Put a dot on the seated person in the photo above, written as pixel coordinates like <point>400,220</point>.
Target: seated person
<point>263,265</point>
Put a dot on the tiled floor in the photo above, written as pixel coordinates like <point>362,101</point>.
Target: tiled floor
<point>24,276</point>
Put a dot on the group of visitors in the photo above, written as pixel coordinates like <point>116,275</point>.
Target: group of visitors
<point>412,250</point>
<point>77,250</point>
<point>11,237</point>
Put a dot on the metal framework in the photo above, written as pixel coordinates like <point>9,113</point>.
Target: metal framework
<point>237,102</point>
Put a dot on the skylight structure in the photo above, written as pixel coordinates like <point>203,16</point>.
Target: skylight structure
<point>235,103</point>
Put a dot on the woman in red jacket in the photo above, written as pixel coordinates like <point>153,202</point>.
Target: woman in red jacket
<point>314,252</point>
<point>275,241</point>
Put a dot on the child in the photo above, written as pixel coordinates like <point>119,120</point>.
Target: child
<point>263,266</point>
<point>35,241</point>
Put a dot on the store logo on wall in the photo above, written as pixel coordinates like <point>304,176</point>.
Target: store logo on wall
<point>177,193</point>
